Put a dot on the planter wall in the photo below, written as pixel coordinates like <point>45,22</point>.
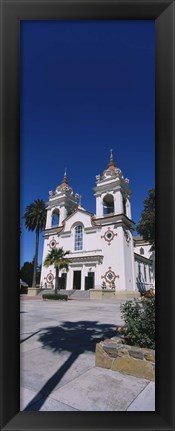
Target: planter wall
<point>33,291</point>
<point>117,356</point>
<point>113,294</point>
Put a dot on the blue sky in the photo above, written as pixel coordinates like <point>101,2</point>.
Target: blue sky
<point>86,87</point>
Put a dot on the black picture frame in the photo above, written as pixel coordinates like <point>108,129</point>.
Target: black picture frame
<point>163,12</point>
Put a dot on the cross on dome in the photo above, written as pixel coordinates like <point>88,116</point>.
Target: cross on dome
<point>65,180</point>
<point>64,183</point>
<point>111,161</point>
<point>110,170</point>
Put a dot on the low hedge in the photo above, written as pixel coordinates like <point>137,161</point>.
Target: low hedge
<point>55,296</point>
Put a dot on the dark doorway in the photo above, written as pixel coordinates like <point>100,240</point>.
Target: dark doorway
<point>62,281</point>
<point>89,281</point>
<point>77,280</point>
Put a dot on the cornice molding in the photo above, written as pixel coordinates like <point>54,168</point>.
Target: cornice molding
<point>78,259</point>
<point>113,185</point>
<point>120,218</point>
<point>142,258</point>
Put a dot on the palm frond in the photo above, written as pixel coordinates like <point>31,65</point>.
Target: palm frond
<point>35,215</point>
<point>57,257</point>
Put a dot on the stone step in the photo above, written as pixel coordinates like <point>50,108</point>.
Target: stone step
<point>76,294</point>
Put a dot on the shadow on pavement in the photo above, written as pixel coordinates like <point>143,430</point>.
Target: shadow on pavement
<point>74,337</point>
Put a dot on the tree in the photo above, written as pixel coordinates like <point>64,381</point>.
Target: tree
<point>26,272</point>
<point>146,225</point>
<point>35,220</point>
<point>38,274</point>
<point>57,257</point>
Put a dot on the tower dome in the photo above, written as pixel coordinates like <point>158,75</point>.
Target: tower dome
<point>62,202</point>
<point>112,167</point>
<point>64,186</point>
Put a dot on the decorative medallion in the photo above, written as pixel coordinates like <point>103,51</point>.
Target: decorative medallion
<point>49,278</point>
<point>127,236</point>
<point>109,236</point>
<point>110,277</point>
<point>53,243</point>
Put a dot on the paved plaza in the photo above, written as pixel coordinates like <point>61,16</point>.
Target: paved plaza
<point>57,363</point>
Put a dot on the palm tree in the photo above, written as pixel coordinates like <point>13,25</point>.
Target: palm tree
<point>56,257</point>
<point>35,220</point>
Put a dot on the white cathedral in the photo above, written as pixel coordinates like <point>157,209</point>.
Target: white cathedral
<point>104,254</point>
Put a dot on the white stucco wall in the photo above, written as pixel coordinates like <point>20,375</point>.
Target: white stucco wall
<point>146,247</point>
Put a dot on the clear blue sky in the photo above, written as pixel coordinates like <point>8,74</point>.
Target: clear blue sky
<point>86,87</point>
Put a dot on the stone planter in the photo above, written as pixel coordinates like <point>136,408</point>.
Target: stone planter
<point>33,291</point>
<point>102,293</point>
<point>113,294</point>
<point>114,354</point>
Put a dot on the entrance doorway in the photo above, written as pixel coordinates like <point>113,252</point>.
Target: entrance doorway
<point>62,281</point>
<point>89,281</point>
<point>77,280</point>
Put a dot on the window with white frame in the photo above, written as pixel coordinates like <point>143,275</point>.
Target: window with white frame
<point>78,239</point>
<point>139,271</point>
<point>108,204</point>
<point>150,274</point>
<point>55,218</point>
<point>124,205</point>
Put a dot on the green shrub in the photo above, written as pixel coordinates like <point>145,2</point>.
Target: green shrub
<point>139,318</point>
<point>55,296</point>
<point>23,290</point>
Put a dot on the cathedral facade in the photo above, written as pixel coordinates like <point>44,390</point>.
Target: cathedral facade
<point>103,251</point>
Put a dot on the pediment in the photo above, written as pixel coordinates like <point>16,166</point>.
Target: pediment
<point>78,216</point>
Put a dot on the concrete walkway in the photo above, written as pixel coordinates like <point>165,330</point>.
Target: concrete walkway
<point>58,370</point>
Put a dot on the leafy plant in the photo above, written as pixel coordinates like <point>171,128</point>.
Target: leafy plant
<point>146,225</point>
<point>24,290</point>
<point>26,272</point>
<point>139,318</point>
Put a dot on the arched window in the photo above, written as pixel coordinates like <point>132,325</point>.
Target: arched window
<point>108,204</point>
<point>141,250</point>
<point>150,273</point>
<point>78,238</point>
<point>139,272</point>
<point>55,218</point>
<point>124,205</point>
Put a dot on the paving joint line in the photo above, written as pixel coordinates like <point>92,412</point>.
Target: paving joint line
<point>29,350</point>
<point>137,395</point>
<point>73,379</point>
<point>65,404</point>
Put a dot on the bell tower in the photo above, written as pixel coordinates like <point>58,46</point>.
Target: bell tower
<point>61,203</point>
<point>112,192</point>
<point>113,218</point>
